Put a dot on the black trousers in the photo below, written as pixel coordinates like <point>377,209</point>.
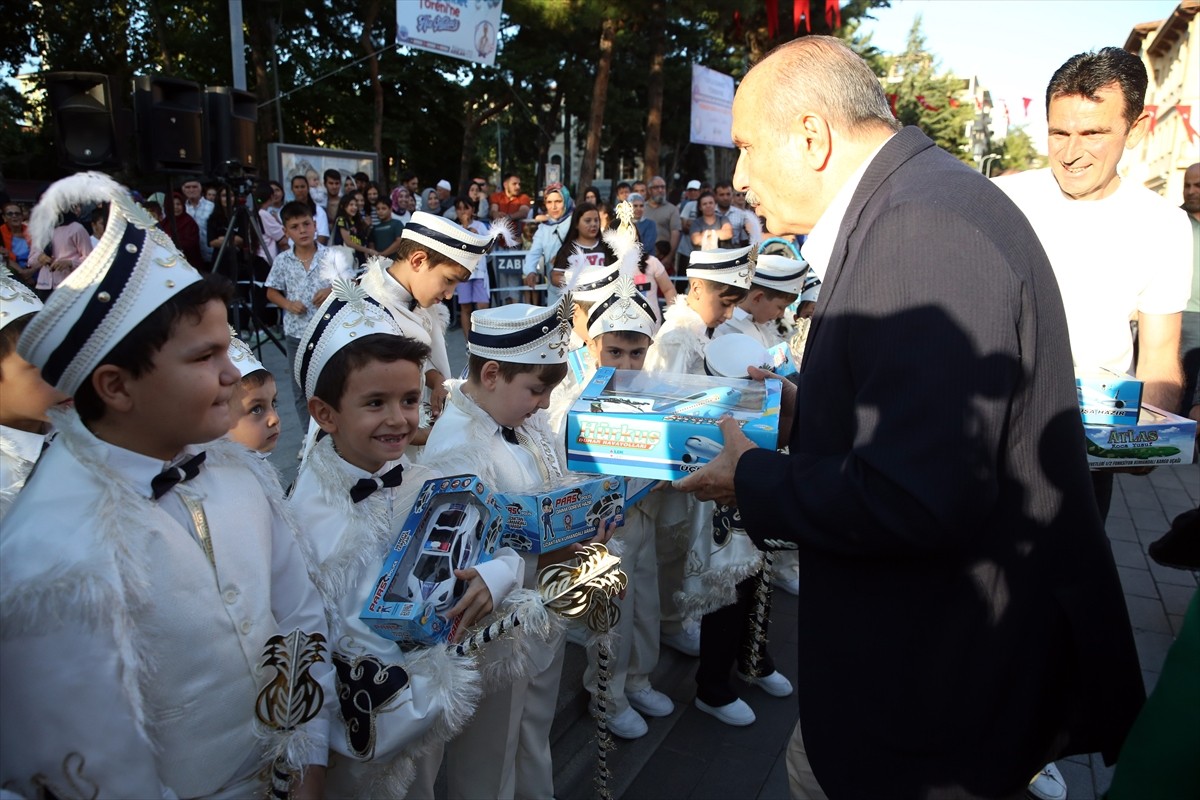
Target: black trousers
<point>726,639</point>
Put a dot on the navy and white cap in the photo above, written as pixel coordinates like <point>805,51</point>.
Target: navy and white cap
<point>132,271</point>
<point>812,288</point>
<point>241,355</point>
<point>623,308</point>
<point>453,240</point>
<point>347,315</point>
<point>16,300</point>
<point>523,334</point>
<point>780,273</point>
<point>589,283</point>
<point>723,266</point>
<point>730,355</point>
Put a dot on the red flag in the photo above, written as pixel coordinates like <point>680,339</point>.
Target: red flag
<point>953,102</point>
<point>924,105</point>
<point>1026,101</point>
<point>737,24</point>
<point>892,103</point>
<point>1185,116</point>
<point>1153,112</point>
<point>1007,118</point>
<point>772,18</point>
<point>978,104</point>
<point>800,9</point>
<point>833,14</point>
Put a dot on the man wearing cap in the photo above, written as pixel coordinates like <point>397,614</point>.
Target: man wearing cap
<point>445,200</point>
<point>960,616</point>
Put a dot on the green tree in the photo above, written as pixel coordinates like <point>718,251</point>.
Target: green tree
<point>1017,152</point>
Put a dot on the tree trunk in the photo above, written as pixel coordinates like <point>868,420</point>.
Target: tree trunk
<point>587,170</point>
<point>258,38</point>
<point>470,130</point>
<point>654,91</point>
<point>371,14</point>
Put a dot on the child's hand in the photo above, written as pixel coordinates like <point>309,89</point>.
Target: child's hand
<point>320,296</point>
<point>296,307</point>
<point>476,602</point>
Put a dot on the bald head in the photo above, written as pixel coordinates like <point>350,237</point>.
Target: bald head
<point>821,74</point>
<point>1191,190</point>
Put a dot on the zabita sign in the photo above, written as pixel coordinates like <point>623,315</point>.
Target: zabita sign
<point>466,29</point>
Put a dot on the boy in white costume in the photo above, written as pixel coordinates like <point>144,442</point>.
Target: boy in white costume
<point>137,600</point>
<point>495,426</point>
<point>24,396</point>
<point>254,404</point>
<point>717,281</point>
<point>776,284</point>
<point>435,255</point>
<point>362,378</point>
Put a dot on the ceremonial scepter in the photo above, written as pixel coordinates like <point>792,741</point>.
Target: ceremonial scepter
<point>291,699</point>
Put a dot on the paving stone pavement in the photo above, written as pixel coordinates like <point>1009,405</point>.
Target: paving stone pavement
<point>691,755</point>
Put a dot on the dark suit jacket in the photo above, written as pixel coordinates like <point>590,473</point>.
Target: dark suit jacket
<point>961,619</point>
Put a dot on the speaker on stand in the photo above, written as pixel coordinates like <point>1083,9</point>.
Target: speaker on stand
<point>81,105</point>
<point>170,124</point>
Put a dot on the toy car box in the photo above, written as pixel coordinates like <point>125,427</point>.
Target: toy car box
<point>781,359</point>
<point>1108,398</point>
<point>663,426</point>
<point>455,523</point>
<point>1157,438</point>
<point>564,512</point>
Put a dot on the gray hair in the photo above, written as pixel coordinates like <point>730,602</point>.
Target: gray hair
<point>821,73</point>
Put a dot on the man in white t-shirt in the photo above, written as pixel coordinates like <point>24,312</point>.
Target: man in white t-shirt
<point>1119,251</point>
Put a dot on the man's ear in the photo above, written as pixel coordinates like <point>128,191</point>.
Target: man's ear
<point>812,133</point>
<point>112,387</point>
<point>1137,131</point>
<point>324,414</point>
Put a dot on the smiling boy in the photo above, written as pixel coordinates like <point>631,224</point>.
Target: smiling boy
<point>362,378</point>
<point>140,538</point>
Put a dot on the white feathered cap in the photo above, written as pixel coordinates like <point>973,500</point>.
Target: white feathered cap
<point>241,355</point>
<point>623,308</point>
<point>780,273</point>
<point>523,334</point>
<point>591,283</point>
<point>347,315</point>
<point>732,267</point>
<point>133,270</point>
<point>16,300</point>
<point>453,240</point>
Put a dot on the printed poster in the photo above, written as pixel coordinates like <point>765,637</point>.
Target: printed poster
<point>466,29</point>
<point>712,107</point>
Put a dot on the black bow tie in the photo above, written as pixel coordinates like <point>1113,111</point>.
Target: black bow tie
<point>509,435</point>
<point>368,486</point>
<point>166,480</point>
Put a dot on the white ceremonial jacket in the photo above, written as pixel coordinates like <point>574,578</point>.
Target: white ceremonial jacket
<point>742,322</point>
<point>19,451</point>
<point>417,323</point>
<point>131,663</point>
<point>393,706</point>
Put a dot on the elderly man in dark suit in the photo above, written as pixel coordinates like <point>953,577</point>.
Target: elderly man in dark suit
<point>961,619</point>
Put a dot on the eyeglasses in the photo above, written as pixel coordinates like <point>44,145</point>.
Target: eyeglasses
<point>12,213</point>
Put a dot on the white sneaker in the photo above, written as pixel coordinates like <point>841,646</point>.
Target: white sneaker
<point>651,702</point>
<point>736,713</point>
<point>687,640</point>
<point>774,684</point>
<point>1048,784</point>
<point>628,725</point>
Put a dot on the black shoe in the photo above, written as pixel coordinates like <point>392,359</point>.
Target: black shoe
<point>1180,546</point>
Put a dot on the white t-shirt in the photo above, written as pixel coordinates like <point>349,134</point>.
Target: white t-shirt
<point>1130,252</point>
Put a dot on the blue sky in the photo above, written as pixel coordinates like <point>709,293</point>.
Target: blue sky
<point>1014,46</point>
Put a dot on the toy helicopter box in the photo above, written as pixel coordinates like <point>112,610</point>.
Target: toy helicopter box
<point>664,426</point>
<point>455,523</point>
<point>563,512</point>
<point>1108,398</point>
<point>1158,438</point>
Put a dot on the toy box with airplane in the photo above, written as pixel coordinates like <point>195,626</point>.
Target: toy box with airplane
<point>1108,398</point>
<point>565,511</point>
<point>1158,438</point>
<point>664,426</point>
<point>456,523</point>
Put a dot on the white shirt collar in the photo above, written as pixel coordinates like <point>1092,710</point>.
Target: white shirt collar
<point>139,470</point>
<point>818,247</point>
<point>21,444</point>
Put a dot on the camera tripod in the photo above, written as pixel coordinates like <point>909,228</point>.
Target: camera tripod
<point>244,318</point>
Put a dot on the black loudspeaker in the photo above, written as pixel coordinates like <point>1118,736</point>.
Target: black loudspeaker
<point>232,116</point>
<point>82,108</point>
<point>170,121</point>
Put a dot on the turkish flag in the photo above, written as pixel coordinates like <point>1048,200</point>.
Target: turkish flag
<point>833,14</point>
<point>1185,116</point>
<point>1026,101</point>
<point>1153,112</point>
<point>772,18</point>
<point>953,102</point>
<point>800,9</point>
<point>892,103</point>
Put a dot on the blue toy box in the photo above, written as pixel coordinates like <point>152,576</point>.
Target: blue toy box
<point>563,513</point>
<point>1108,398</point>
<point>455,523</point>
<point>664,426</point>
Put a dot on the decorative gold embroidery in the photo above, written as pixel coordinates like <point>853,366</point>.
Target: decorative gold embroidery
<point>199,526</point>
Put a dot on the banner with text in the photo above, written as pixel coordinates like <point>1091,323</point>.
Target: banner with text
<point>466,29</point>
<point>712,107</point>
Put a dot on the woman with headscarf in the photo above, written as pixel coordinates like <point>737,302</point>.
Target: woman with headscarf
<point>554,227</point>
<point>69,245</point>
<point>183,230</point>
<point>15,232</point>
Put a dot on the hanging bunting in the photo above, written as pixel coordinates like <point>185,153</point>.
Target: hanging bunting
<point>978,104</point>
<point>772,18</point>
<point>1185,116</point>
<point>953,102</point>
<point>800,9</point>
<point>925,105</point>
<point>1152,110</point>
<point>1026,101</point>
<point>892,102</point>
<point>833,14</point>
